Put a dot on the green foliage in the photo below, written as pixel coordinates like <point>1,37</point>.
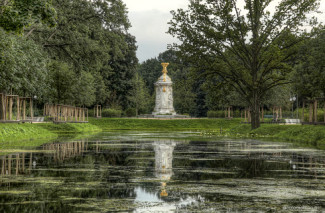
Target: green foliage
<point>150,70</point>
<point>111,113</point>
<point>15,15</point>
<point>309,76</point>
<point>215,114</point>
<point>248,47</point>
<point>92,55</point>
<point>139,95</point>
<point>84,89</point>
<point>131,112</point>
<point>22,65</point>
<point>61,81</point>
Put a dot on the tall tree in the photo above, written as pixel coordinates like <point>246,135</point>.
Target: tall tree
<point>249,47</point>
<point>92,37</point>
<point>15,15</point>
<point>23,65</point>
<point>309,75</point>
<point>139,94</point>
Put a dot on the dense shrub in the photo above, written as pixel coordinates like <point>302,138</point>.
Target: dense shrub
<point>212,114</point>
<point>111,113</point>
<point>130,112</point>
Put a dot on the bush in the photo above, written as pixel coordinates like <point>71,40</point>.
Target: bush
<point>212,114</point>
<point>130,112</point>
<point>111,113</point>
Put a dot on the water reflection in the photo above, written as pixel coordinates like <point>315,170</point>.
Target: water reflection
<point>149,175</point>
<point>63,151</point>
<point>163,171</point>
<point>164,162</point>
<point>14,164</point>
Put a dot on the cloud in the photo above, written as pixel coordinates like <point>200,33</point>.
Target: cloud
<point>164,6</point>
<point>150,29</point>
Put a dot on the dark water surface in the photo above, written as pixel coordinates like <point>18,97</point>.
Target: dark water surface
<point>162,172</point>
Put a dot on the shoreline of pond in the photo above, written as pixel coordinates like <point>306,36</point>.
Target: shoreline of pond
<point>307,135</point>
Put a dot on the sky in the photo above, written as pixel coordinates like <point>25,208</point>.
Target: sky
<point>149,25</point>
<point>149,20</point>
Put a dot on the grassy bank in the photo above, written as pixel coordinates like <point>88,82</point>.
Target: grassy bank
<point>166,125</point>
<point>307,135</point>
<point>29,134</point>
<point>14,131</point>
<point>33,135</point>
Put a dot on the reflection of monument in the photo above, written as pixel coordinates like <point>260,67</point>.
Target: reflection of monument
<point>164,94</point>
<point>164,162</point>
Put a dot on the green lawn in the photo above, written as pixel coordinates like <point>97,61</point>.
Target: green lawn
<point>33,135</point>
<point>170,125</point>
<point>21,133</point>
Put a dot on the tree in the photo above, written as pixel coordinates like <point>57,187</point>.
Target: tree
<point>62,81</point>
<point>309,75</point>
<point>92,37</point>
<point>139,95</point>
<point>84,89</point>
<point>252,50</point>
<point>23,66</point>
<point>15,15</point>
<point>150,70</point>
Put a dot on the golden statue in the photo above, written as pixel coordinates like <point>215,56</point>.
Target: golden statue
<point>164,71</point>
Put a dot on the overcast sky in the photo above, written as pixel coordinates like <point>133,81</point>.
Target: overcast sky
<point>149,24</point>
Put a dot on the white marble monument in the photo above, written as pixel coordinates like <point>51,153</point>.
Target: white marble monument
<point>164,94</point>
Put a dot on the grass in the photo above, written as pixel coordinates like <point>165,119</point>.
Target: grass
<point>307,135</point>
<point>69,127</point>
<point>14,135</point>
<point>170,125</point>
<point>15,131</point>
<point>30,134</point>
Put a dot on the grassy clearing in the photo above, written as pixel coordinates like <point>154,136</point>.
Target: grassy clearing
<point>154,124</point>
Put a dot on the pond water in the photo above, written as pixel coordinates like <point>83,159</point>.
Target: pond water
<point>162,172</point>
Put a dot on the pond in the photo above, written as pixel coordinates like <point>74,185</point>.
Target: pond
<point>162,172</point>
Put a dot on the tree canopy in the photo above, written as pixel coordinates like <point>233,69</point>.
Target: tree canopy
<point>249,47</point>
<point>76,52</point>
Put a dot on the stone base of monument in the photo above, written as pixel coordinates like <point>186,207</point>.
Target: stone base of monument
<point>163,116</point>
<point>171,116</point>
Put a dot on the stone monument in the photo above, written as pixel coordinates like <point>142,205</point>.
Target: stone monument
<point>164,94</point>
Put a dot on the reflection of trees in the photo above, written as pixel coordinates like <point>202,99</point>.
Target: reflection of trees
<point>57,165</point>
<point>66,150</point>
<point>14,164</point>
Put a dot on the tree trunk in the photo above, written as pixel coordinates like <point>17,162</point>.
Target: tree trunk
<point>255,113</point>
